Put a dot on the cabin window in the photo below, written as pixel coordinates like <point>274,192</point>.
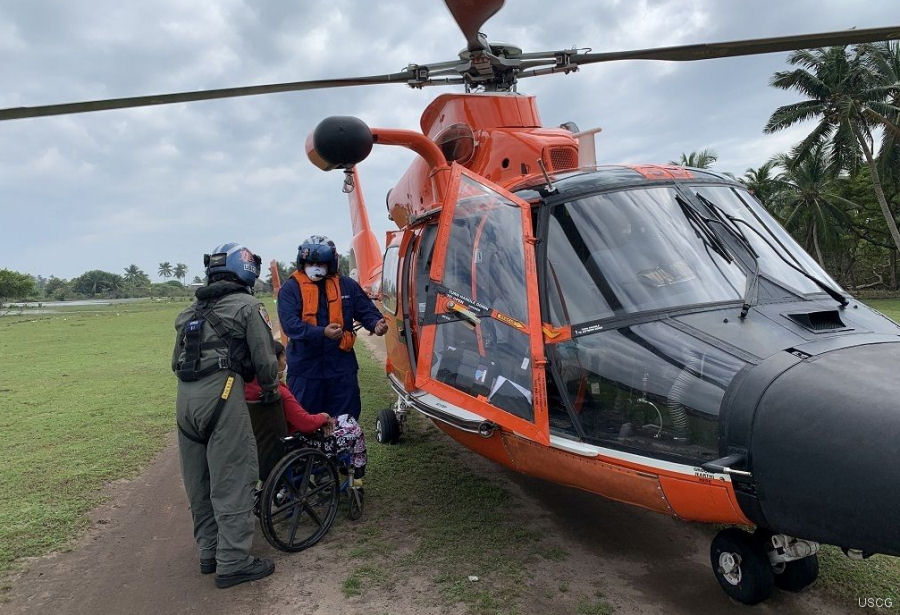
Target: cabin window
<point>485,257</point>
<point>389,279</point>
<point>647,387</point>
<point>423,267</point>
<point>485,351</point>
<point>630,251</point>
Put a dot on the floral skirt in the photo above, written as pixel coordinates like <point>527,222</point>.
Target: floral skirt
<point>348,435</point>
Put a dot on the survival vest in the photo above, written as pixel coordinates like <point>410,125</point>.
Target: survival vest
<point>237,358</point>
<point>309,292</point>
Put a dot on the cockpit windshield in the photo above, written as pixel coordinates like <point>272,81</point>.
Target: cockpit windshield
<point>779,255</point>
<point>631,251</point>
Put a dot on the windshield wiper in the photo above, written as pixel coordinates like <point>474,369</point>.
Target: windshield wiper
<point>703,226</point>
<point>704,231</point>
<point>733,228</point>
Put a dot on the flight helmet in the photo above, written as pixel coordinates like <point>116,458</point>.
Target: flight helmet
<point>318,250</point>
<point>235,259</point>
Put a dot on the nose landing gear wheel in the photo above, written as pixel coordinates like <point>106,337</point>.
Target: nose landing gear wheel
<point>387,427</point>
<point>798,574</point>
<point>741,566</point>
<point>790,576</point>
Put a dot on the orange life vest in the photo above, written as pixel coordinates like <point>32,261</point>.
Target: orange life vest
<point>309,292</point>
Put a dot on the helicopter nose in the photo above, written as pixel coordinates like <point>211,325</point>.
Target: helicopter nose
<point>824,449</point>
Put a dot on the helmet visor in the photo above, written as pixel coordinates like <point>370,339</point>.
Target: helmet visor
<point>317,253</point>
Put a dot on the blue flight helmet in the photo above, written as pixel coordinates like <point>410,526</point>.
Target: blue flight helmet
<point>235,259</point>
<point>318,250</point>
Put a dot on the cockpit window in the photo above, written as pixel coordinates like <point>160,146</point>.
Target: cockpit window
<point>631,251</point>
<point>768,239</point>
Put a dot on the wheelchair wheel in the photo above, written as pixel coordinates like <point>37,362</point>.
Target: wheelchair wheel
<point>299,500</point>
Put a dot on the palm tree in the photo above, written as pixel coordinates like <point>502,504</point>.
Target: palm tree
<point>884,61</point>
<point>165,269</point>
<point>132,274</point>
<point>703,159</point>
<point>180,271</point>
<point>807,202</point>
<point>845,97</point>
<point>761,182</point>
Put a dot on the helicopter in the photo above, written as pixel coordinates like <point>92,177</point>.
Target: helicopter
<point>647,333</point>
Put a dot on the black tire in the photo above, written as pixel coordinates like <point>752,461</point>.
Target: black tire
<point>748,578</point>
<point>798,574</point>
<point>299,500</point>
<point>790,576</point>
<point>387,427</point>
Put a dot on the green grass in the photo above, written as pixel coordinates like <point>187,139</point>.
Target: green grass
<point>888,307</point>
<point>461,523</point>
<point>85,397</point>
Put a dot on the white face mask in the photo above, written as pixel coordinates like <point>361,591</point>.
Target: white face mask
<point>315,272</point>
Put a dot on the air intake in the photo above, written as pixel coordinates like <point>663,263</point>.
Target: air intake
<point>561,157</point>
<point>827,320</point>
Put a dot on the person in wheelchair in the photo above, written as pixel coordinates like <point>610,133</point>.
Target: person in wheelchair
<point>321,430</point>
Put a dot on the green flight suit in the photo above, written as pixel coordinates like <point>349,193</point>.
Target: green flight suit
<point>220,476</point>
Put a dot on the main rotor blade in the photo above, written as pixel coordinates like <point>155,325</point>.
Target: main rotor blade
<point>14,113</point>
<point>470,15</point>
<point>687,53</point>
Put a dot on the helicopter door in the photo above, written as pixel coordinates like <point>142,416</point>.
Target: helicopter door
<point>481,346</point>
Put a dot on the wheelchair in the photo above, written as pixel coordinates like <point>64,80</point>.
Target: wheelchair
<point>301,484</point>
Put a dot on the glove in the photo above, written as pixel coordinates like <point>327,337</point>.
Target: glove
<point>269,397</point>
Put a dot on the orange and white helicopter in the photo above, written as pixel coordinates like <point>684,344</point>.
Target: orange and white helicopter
<point>647,333</point>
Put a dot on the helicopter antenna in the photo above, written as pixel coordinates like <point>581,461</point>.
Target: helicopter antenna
<point>549,188</point>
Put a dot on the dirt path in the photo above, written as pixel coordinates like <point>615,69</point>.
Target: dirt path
<point>139,558</point>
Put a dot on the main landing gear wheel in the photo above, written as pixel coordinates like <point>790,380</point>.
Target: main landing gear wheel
<point>741,566</point>
<point>387,427</point>
<point>299,500</point>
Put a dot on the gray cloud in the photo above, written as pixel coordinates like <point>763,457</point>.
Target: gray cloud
<point>106,190</point>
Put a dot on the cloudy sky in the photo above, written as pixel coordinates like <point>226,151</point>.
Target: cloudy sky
<point>109,189</point>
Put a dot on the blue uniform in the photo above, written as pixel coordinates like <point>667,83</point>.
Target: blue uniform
<point>320,375</point>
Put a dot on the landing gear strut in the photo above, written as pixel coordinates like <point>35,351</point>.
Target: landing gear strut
<point>749,566</point>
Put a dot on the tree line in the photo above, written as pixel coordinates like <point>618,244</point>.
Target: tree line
<point>836,191</point>
<point>134,282</point>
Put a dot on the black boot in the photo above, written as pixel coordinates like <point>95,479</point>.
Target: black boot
<point>256,569</point>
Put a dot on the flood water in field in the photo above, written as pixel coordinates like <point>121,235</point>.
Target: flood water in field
<point>51,307</point>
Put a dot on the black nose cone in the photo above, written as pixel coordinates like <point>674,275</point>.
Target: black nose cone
<point>825,449</point>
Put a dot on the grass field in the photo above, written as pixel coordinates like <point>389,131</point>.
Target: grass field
<point>87,397</point>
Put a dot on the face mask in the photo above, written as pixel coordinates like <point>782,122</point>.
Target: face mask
<point>315,272</point>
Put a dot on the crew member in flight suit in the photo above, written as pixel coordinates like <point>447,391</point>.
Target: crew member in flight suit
<point>316,309</point>
<point>223,339</point>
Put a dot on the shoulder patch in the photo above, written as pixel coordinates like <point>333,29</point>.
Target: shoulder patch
<point>265,315</point>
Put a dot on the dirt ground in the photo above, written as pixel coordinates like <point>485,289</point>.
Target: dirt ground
<point>138,558</point>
